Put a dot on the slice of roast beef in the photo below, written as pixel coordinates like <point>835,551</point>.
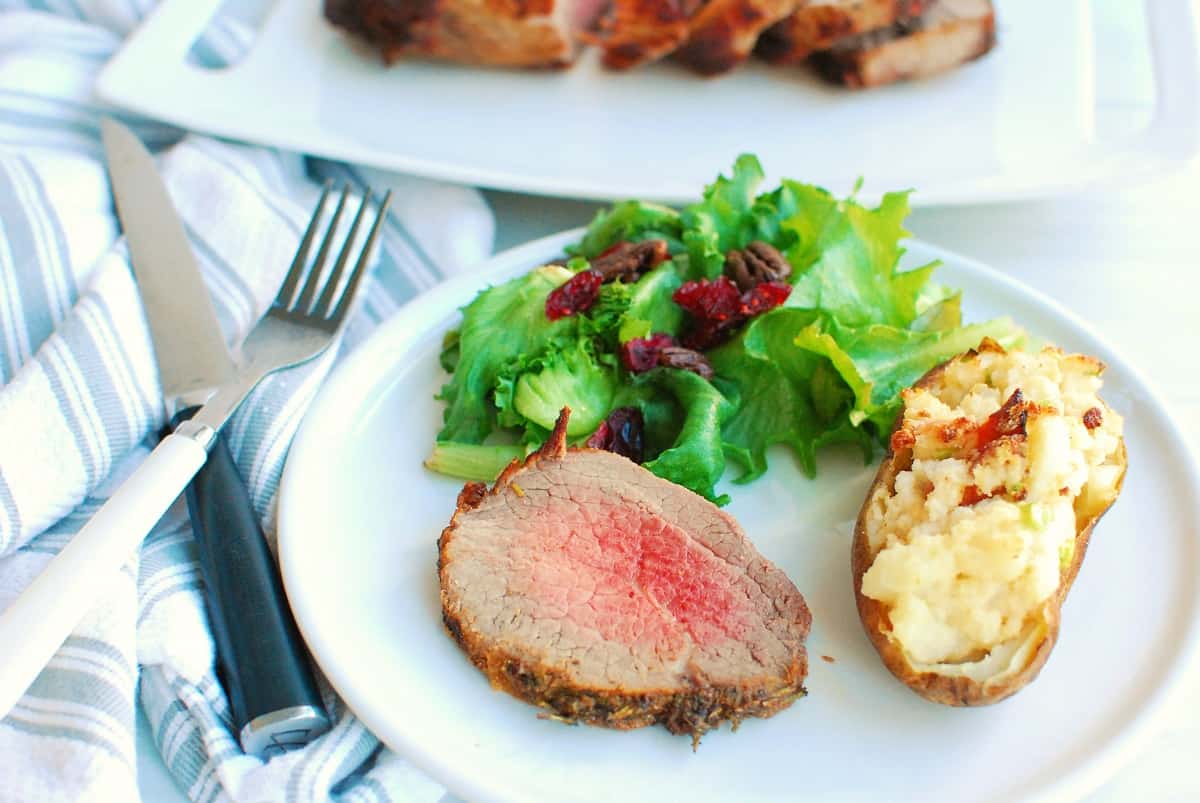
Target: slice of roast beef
<point>634,32</point>
<point>818,24</point>
<point>949,33</point>
<point>506,33</point>
<point>722,33</point>
<point>586,585</point>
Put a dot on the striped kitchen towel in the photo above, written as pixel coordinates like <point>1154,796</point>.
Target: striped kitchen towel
<point>79,402</point>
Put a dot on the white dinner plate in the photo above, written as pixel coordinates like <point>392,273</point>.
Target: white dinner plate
<point>359,519</point>
<point>1076,92</point>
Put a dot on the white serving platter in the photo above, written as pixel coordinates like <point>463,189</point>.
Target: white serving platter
<point>1050,109</point>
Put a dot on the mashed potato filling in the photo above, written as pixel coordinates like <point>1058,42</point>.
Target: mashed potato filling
<point>1003,457</point>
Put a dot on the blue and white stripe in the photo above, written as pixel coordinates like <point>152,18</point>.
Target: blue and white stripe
<point>80,404</point>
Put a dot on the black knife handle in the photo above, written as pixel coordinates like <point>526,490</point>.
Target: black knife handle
<point>272,694</point>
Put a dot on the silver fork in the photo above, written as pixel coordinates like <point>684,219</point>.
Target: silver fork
<point>299,326</point>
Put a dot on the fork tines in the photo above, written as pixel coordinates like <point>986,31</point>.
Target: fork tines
<point>336,290</point>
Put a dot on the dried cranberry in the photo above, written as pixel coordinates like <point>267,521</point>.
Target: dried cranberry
<point>972,495</point>
<point>717,307</point>
<point>576,295</point>
<point>621,433</point>
<point>765,296</point>
<point>714,301</point>
<point>641,353</point>
<point>704,336</point>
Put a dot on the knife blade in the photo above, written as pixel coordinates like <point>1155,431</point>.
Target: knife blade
<point>188,345</point>
<point>273,697</point>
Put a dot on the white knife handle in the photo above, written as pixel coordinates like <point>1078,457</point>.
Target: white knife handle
<point>36,624</point>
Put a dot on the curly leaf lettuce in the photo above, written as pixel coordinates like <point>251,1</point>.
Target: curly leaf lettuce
<point>630,221</point>
<point>569,376</point>
<point>877,361</point>
<point>650,308</point>
<point>846,258</point>
<point>502,324</point>
<point>827,367</point>
<point>695,460</point>
<point>722,219</point>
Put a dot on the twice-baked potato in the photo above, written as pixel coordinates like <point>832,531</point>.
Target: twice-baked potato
<point>999,467</point>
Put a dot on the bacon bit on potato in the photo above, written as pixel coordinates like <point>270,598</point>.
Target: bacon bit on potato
<point>1008,420</point>
<point>902,439</point>
<point>971,495</point>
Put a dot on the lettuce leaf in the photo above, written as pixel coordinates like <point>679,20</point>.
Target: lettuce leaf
<point>650,307</point>
<point>501,325</point>
<point>722,219</point>
<point>877,361</point>
<point>846,258</point>
<point>696,459</point>
<point>632,221</point>
<point>569,376</point>
<point>773,381</point>
<point>472,461</point>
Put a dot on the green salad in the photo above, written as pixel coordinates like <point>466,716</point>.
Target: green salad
<point>706,334</point>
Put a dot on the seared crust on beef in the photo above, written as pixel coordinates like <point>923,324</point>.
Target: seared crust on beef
<point>693,711</point>
<point>722,33</point>
<point>819,24</point>
<point>949,33</point>
<point>579,675</point>
<point>503,33</point>
<point>634,32</point>
<point>855,42</point>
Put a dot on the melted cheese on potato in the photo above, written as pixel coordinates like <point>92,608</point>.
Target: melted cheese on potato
<point>974,536</point>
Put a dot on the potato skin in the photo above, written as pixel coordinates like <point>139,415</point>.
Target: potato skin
<point>944,689</point>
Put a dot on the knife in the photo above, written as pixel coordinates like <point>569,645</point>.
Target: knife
<point>273,698</point>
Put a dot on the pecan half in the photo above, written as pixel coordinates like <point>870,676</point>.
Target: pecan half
<point>755,264</point>
<point>685,359</point>
<point>628,261</point>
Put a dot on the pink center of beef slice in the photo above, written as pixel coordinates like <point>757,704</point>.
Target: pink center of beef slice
<point>631,576</point>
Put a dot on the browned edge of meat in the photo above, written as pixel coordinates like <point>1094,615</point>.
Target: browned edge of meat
<point>501,33</point>
<point>723,32</point>
<point>635,32</point>
<point>693,711</point>
<point>817,25</point>
<point>950,33</point>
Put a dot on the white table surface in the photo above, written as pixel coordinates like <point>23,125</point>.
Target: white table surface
<point>1126,260</point>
